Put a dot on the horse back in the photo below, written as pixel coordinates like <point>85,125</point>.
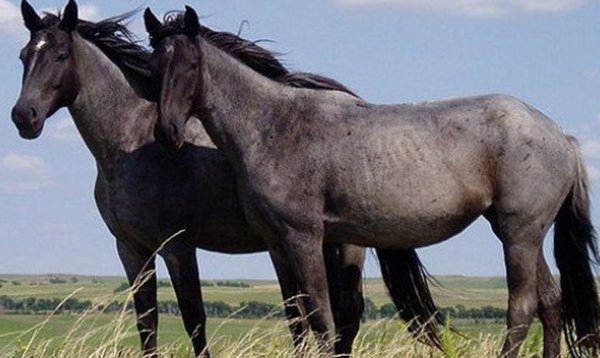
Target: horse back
<point>425,171</point>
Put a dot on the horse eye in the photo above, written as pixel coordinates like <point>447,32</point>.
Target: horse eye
<point>62,57</point>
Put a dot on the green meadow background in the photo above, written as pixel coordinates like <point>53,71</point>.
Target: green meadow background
<point>96,334</point>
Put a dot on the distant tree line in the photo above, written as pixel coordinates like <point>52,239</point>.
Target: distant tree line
<point>33,305</point>
<point>124,286</point>
<point>457,312</point>
<point>250,309</point>
<point>235,284</point>
<point>55,280</point>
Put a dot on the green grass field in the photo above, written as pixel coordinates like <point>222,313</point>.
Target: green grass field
<point>16,330</point>
<point>71,333</point>
<point>453,290</point>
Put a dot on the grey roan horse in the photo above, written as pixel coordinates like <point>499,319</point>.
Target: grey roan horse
<point>99,73</point>
<point>322,165</point>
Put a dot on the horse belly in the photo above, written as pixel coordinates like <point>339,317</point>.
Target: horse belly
<point>230,238</point>
<point>206,224</point>
<point>150,199</point>
<point>404,215</point>
<point>400,232</point>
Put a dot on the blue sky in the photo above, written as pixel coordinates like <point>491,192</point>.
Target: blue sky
<point>546,52</point>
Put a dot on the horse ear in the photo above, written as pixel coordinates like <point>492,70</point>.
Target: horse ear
<point>33,22</point>
<point>153,24</point>
<point>192,24</point>
<point>70,17</point>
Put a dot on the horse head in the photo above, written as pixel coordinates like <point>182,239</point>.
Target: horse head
<point>50,80</point>
<point>176,70</point>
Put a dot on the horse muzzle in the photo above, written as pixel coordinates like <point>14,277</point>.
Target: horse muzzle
<point>28,121</point>
<point>169,135</point>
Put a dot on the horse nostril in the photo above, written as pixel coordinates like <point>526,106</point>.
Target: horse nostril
<point>157,134</point>
<point>174,129</point>
<point>22,114</point>
<point>174,133</point>
<point>167,134</point>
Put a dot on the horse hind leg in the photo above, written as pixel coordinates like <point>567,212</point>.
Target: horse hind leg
<point>531,288</point>
<point>521,216</point>
<point>549,308</point>
<point>521,259</point>
<point>522,238</point>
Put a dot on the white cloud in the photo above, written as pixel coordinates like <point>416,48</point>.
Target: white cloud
<point>593,172</point>
<point>11,21</point>
<point>10,18</point>
<point>21,173</point>
<point>588,135</point>
<point>23,163</point>
<point>591,149</point>
<point>86,11</point>
<point>89,12</point>
<point>591,73</point>
<point>20,187</point>
<point>63,130</point>
<point>473,8</point>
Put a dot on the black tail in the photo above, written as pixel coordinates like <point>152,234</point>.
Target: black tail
<point>576,251</point>
<point>406,282</point>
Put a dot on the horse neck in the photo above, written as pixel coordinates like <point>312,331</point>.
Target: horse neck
<point>110,116</point>
<point>237,105</point>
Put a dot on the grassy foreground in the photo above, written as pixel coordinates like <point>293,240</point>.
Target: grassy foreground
<point>98,334</point>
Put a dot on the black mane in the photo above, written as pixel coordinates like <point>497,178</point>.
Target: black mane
<point>115,40</point>
<point>251,54</point>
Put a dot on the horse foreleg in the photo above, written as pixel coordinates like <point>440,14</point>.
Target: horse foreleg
<point>305,253</point>
<point>139,265</point>
<point>294,309</point>
<point>549,309</point>
<point>521,258</point>
<point>350,303</point>
<point>183,269</point>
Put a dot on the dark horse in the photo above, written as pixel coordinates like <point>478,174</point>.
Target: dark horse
<point>315,166</point>
<point>102,76</point>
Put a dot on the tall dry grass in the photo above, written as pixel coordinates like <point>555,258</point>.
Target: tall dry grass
<point>90,336</point>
